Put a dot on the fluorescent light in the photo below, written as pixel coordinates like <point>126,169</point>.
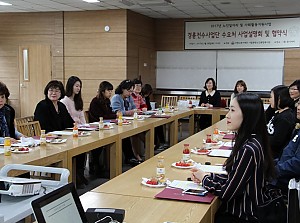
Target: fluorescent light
<point>4,3</point>
<point>91,1</point>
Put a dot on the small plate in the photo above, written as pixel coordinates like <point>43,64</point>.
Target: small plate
<point>144,180</point>
<point>126,123</point>
<point>183,167</point>
<point>200,107</point>
<point>58,141</point>
<point>15,150</point>
<point>83,134</point>
<point>212,143</point>
<point>196,151</point>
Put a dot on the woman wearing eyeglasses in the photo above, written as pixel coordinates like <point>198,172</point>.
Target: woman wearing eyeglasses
<point>294,90</point>
<point>123,102</point>
<point>50,112</point>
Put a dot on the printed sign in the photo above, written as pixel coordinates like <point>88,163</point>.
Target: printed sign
<point>266,33</point>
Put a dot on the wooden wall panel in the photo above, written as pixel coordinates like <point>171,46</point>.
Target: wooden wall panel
<point>95,21</point>
<point>95,67</point>
<point>95,44</point>
<point>29,23</point>
<point>140,36</point>
<point>169,34</point>
<point>9,67</point>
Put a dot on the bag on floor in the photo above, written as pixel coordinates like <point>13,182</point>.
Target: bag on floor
<point>294,201</point>
<point>274,209</point>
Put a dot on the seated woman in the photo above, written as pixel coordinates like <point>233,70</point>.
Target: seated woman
<point>294,90</point>
<point>136,95</point>
<point>281,125</point>
<point>73,100</point>
<point>100,106</point>
<point>7,117</point>
<point>288,166</point>
<point>239,87</point>
<point>209,98</point>
<point>248,167</point>
<point>50,112</point>
<point>123,102</point>
<point>74,104</point>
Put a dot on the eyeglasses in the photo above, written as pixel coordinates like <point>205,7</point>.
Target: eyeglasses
<point>130,91</point>
<point>293,89</point>
<point>53,90</point>
<point>138,85</point>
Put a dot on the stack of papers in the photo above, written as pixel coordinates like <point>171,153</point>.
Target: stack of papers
<point>212,169</point>
<point>220,153</point>
<point>184,185</point>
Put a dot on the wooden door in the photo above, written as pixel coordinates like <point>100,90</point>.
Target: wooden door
<point>39,74</point>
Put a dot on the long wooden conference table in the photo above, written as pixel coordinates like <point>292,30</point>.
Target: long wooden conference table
<point>63,154</point>
<point>126,192</point>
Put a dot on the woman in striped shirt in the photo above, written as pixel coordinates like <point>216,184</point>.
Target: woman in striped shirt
<point>248,167</point>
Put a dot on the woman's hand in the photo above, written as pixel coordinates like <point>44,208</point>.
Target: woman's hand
<point>197,175</point>
<point>13,141</point>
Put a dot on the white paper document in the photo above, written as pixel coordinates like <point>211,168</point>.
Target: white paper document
<point>212,169</point>
<point>66,133</point>
<point>220,152</point>
<point>184,185</point>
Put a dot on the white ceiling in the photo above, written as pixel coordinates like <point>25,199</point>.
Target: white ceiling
<point>165,9</point>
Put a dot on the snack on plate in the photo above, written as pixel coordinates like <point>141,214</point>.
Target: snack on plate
<point>20,149</point>
<point>202,150</point>
<point>156,181</point>
<point>184,164</point>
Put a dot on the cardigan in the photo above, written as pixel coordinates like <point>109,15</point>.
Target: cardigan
<point>117,104</point>
<point>77,116</point>
<point>214,99</point>
<point>49,119</point>
<point>100,108</point>
<point>138,101</point>
<point>241,190</point>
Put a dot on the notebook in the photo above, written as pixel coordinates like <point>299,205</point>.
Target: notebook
<point>61,205</point>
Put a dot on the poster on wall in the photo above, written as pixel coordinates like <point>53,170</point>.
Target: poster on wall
<point>236,34</point>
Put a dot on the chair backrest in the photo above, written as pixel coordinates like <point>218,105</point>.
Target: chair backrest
<point>171,100</point>
<point>187,98</point>
<point>265,100</point>
<point>23,120</point>
<point>30,128</point>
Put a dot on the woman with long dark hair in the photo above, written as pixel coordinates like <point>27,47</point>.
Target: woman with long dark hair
<point>249,166</point>
<point>100,105</point>
<point>281,124</point>
<point>73,100</point>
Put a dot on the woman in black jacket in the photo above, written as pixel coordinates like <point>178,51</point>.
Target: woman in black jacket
<point>50,112</point>
<point>209,98</point>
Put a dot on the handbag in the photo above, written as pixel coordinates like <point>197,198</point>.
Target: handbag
<point>274,209</point>
<point>294,201</point>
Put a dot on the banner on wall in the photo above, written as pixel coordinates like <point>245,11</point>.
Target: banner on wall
<point>264,33</point>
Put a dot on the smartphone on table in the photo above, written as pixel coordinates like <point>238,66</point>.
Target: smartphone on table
<point>198,192</point>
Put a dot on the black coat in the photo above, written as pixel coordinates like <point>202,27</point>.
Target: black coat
<point>49,119</point>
